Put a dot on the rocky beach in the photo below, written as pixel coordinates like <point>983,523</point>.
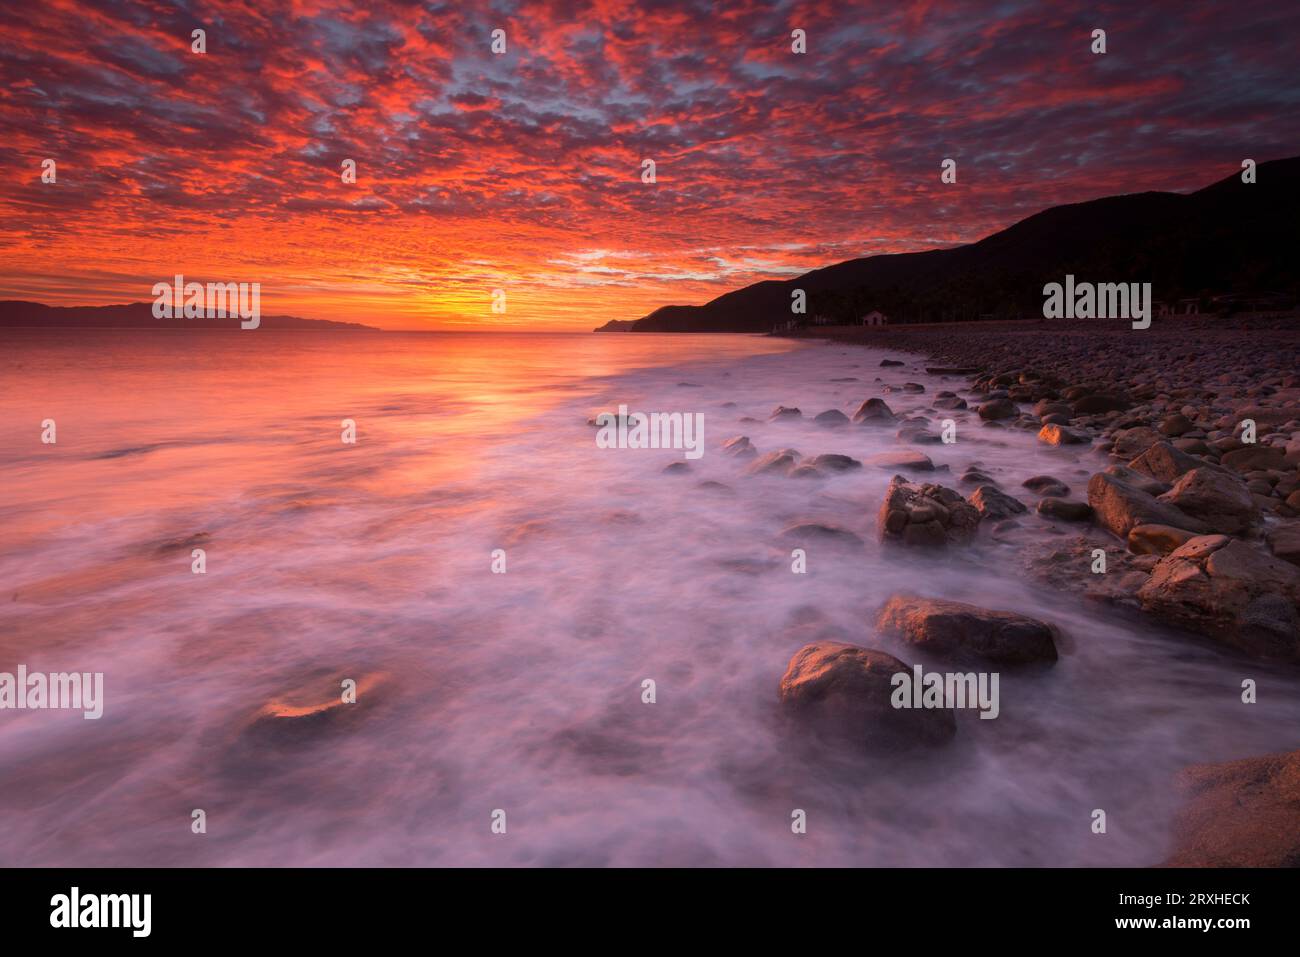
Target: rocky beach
<point>1191,435</point>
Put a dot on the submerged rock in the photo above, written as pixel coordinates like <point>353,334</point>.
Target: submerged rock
<point>739,446</point>
<point>993,504</point>
<point>831,419</point>
<point>835,462</point>
<point>780,462</point>
<point>817,533</point>
<point>963,633</point>
<point>925,514</point>
<point>904,459</point>
<point>874,412</point>
<point>844,692</point>
<point>1064,509</point>
<point>785,412</point>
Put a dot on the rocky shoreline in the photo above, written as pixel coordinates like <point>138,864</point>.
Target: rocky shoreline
<point>1194,508</point>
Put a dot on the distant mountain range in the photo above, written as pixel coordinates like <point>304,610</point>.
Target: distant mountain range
<point>17,313</point>
<point>1231,238</point>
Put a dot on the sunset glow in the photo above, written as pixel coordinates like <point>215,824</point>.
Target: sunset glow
<point>522,171</point>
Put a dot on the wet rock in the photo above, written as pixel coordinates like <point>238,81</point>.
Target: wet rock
<point>902,459</point>
<point>739,446</point>
<point>1067,511</point>
<point>1157,539</point>
<point>831,419</point>
<point>780,462</point>
<point>1046,485</point>
<point>806,470</point>
<point>1100,402</point>
<point>309,713</point>
<point>874,412</point>
<point>677,468</point>
<point>993,504</point>
<point>1118,507</point>
<point>1221,501</point>
<point>1046,407</point>
<point>913,387</point>
<point>886,363</point>
<point>1284,542</point>
<point>816,533</point>
<point>1165,463</point>
<point>1065,566</point>
<point>844,692</point>
<point>1225,589</point>
<point>926,515</point>
<point>967,633</point>
<point>1146,483</point>
<point>1130,443</point>
<point>995,409</point>
<point>976,477</point>
<point>834,462</point>
<point>785,412</point>
<point>1240,814</point>
<point>1054,434</point>
<point>1253,457</point>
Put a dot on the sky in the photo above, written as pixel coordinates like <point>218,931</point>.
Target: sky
<point>523,171</point>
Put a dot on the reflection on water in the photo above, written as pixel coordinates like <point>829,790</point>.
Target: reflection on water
<point>372,562</point>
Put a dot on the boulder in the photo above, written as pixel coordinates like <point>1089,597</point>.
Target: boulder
<point>994,504</point>
<point>1284,542</point>
<point>780,462</point>
<point>997,409</point>
<point>816,533</point>
<point>885,363</point>
<point>1176,424</point>
<point>1130,443</point>
<point>1046,485</point>
<point>785,412</point>
<point>844,692</point>
<point>739,446</point>
<point>1218,499</point>
<point>1225,589</point>
<point>1157,539</point>
<point>1165,463</point>
<point>1100,402</point>
<point>834,462</point>
<point>831,419</point>
<point>1240,814</point>
<point>925,514</point>
<point>1118,507</point>
<point>904,459</point>
<point>967,633</point>
<point>1254,457</point>
<point>1054,434</point>
<point>874,412</point>
<point>1064,509</point>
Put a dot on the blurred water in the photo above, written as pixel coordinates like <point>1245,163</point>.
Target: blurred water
<point>522,691</point>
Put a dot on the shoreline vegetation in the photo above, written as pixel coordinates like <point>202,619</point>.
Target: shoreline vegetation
<point>1194,498</point>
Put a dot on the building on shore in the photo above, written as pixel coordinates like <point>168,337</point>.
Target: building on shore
<point>874,318</point>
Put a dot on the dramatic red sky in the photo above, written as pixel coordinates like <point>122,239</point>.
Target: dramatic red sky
<point>523,171</point>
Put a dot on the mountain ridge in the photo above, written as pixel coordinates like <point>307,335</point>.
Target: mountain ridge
<point>1227,237</point>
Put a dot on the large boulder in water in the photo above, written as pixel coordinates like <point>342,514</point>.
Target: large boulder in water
<point>925,514</point>
<point>994,504</point>
<point>874,412</point>
<point>1241,814</point>
<point>844,692</point>
<point>967,633</point>
<point>1225,589</point>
